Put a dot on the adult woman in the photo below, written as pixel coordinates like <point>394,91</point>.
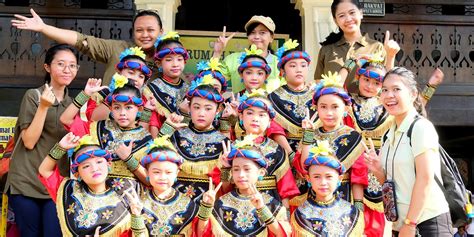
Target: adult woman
<point>147,26</point>
<point>260,31</point>
<point>347,43</point>
<point>412,162</point>
<point>39,128</point>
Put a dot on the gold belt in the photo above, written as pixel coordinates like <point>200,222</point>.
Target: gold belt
<point>268,182</point>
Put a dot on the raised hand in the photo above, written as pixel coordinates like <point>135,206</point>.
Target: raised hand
<point>184,106</point>
<point>308,122</point>
<point>391,46</point>
<point>372,159</point>
<point>225,153</point>
<point>93,85</point>
<point>69,141</point>
<point>436,77</point>
<point>175,121</point>
<point>150,103</point>
<point>34,23</point>
<point>209,197</point>
<point>256,197</point>
<point>134,202</point>
<point>47,97</point>
<point>124,151</point>
<point>228,110</point>
<point>221,42</point>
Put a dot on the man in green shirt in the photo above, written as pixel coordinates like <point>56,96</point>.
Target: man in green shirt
<point>147,26</point>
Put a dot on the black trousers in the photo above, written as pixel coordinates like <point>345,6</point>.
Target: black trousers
<point>439,226</point>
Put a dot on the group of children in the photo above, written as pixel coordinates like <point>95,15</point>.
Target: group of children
<point>164,157</point>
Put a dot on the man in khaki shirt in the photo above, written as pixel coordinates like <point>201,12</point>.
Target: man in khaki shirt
<point>147,26</point>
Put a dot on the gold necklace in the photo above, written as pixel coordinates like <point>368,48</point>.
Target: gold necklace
<point>165,199</point>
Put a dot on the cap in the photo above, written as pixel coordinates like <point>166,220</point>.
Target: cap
<point>264,20</point>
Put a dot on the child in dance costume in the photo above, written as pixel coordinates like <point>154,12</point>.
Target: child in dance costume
<point>244,211</point>
<point>87,204</point>
<point>323,212</point>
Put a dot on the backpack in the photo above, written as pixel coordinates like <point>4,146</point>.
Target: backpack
<point>455,192</point>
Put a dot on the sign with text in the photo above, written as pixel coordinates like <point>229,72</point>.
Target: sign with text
<point>7,129</point>
<point>373,7</point>
<point>200,46</point>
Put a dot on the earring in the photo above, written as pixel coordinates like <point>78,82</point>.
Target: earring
<point>160,69</point>
<point>139,115</point>
<point>109,169</point>
<point>345,114</point>
<point>308,184</point>
<point>147,179</point>
<point>338,183</point>
<point>176,180</point>
<point>111,116</point>
<point>242,80</point>
<point>260,178</point>
<point>79,179</point>
<point>241,123</point>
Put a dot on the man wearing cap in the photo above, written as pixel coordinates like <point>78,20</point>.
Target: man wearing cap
<point>260,31</point>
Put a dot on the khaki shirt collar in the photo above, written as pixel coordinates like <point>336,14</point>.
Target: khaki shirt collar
<point>404,126</point>
<point>362,41</point>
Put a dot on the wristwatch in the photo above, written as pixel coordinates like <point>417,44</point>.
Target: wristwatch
<point>409,222</point>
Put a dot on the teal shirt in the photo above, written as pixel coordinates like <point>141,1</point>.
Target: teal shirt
<point>231,63</point>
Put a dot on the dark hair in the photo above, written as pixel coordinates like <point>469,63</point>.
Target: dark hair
<point>129,87</point>
<point>408,79</point>
<point>167,42</point>
<point>253,26</point>
<point>51,53</point>
<point>334,37</point>
<point>147,12</point>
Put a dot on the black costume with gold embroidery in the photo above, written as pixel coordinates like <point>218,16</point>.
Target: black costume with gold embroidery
<point>201,151</point>
<point>80,212</point>
<point>290,107</point>
<point>372,121</point>
<point>234,215</point>
<point>168,95</point>
<point>171,217</point>
<point>347,145</point>
<point>110,136</point>
<point>333,219</point>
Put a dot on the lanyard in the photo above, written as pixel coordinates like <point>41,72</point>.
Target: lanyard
<point>393,157</point>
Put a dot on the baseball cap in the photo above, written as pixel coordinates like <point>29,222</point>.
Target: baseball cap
<point>264,20</point>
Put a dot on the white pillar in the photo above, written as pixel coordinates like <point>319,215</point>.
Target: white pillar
<point>317,24</point>
<point>166,8</point>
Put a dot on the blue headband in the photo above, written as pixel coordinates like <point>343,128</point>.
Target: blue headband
<point>254,63</point>
<point>134,65</point>
<point>209,95</point>
<point>248,154</point>
<point>328,161</point>
<point>176,50</point>
<point>216,75</point>
<point>256,102</point>
<point>369,74</point>
<point>124,99</point>
<point>170,156</point>
<point>294,55</point>
<point>331,91</point>
<point>83,156</point>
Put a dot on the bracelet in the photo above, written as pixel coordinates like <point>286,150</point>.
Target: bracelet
<point>104,93</point>
<point>145,115</point>
<point>186,118</point>
<point>57,152</point>
<point>225,175</point>
<point>308,137</point>
<point>428,91</point>
<point>224,125</point>
<point>359,204</point>
<point>265,215</point>
<point>204,211</point>
<point>80,99</point>
<point>167,129</point>
<point>291,156</point>
<point>132,164</point>
<point>137,223</point>
<point>349,64</point>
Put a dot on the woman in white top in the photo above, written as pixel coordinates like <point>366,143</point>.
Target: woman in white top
<point>411,163</point>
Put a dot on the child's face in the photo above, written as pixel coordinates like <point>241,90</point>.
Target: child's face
<point>331,111</point>
<point>245,173</point>
<point>323,180</point>
<point>256,120</point>
<point>94,170</point>
<point>173,65</point>
<point>124,114</point>
<point>370,87</point>
<point>296,71</point>
<point>203,112</point>
<point>162,175</point>
<point>135,75</point>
